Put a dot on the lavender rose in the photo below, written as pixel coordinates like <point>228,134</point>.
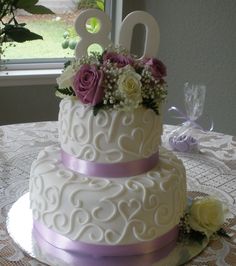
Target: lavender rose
<point>119,59</point>
<point>88,84</point>
<point>158,69</point>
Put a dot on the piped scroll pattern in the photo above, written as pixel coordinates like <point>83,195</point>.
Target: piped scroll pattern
<point>92,138</point>
<point>107,211</point>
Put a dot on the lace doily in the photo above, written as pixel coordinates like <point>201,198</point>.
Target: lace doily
<point>212,171</point>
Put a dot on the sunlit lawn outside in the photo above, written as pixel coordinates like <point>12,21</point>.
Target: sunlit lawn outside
<point>52,32</point>
<point>50,47</point>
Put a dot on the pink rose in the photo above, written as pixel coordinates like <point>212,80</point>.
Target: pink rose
<point>119,59</point>
<point>158,69</point>
<point>88,84</point>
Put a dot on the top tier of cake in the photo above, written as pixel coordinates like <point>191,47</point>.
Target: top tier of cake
<point>112,136</point>
<point>111,111</point>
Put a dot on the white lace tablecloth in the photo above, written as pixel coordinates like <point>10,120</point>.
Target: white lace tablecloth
<point>212,171</point>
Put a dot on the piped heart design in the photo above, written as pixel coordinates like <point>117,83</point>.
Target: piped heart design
<point>128,209</point>
<point>133,143</point>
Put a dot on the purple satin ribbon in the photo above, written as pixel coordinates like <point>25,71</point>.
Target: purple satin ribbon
<point>78,259</point>
<point>123,169</point>
<point>62,242</point>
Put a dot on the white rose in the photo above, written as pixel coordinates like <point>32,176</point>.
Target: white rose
<point>206,215</point>
<point>129,85</point>
<point>65,80</point>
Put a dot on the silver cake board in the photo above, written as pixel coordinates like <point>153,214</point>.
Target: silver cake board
<point>20,229</point>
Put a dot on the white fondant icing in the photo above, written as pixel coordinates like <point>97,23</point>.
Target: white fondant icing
<point>110,136</point>
<point>107,211</point>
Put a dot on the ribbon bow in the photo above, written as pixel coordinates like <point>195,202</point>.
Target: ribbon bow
<point>188,119</point>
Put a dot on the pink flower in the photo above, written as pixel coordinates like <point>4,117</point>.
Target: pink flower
<point>119,59</point>
<point>158,69</point>
<point>88,84</point>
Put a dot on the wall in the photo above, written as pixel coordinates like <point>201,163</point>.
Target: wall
<point>28,104</point>
<point>198,44</point>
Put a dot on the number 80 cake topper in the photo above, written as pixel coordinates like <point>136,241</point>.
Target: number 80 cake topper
<point>101,37</point>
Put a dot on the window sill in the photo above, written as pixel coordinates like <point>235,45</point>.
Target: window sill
<point>9,78</point>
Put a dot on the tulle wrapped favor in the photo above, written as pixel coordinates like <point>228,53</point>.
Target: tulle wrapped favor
<point>184,138</point>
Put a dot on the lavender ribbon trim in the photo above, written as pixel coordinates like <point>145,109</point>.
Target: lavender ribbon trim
<point>75,259</point>
<point>123,169</point>
<point>67,244</point>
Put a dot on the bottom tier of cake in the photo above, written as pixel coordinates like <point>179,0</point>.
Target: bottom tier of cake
<point>110,216</point>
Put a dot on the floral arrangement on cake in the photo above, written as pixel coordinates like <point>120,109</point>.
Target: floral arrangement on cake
<point>114,79</point>
<point>204,218</point>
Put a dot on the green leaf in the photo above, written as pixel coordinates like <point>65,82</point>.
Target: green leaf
<point>97,108</point>
<point>67,63</point>
<point>93,22</point>
<point>223,233</point>
<point>38,10</point>
<point>26,3</point>
<point>21,34</point>
<point>197,236</point>
<point>100,4</point>
<point>66,91</point>
<point>31,7</point>
<point>93,25</point>
<point>151,104</point>
<point>22,24</point>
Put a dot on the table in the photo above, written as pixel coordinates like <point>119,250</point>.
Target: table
<point>211,171</point>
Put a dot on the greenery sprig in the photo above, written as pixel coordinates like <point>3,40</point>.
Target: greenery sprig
<point>65,91</point>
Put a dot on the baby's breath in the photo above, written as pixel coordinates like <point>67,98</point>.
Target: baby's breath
<point>153,91</point>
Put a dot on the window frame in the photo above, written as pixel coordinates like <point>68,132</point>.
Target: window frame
<point>22,72</point>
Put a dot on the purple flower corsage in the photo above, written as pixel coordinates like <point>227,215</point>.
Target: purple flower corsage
<point>183,143</point>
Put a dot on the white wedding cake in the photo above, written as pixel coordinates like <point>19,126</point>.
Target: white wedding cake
<point>109,188</point>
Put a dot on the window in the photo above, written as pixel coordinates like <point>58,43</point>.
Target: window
<point>38,56</point>
<point>59,36</point>
<point>56,29</point>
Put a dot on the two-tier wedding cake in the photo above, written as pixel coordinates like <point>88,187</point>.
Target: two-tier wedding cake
<point>109,188</point>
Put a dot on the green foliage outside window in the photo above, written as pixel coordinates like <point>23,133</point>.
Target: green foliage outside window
<point>10,29</point>
<point>93,25</point>
<point>91,4</point>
